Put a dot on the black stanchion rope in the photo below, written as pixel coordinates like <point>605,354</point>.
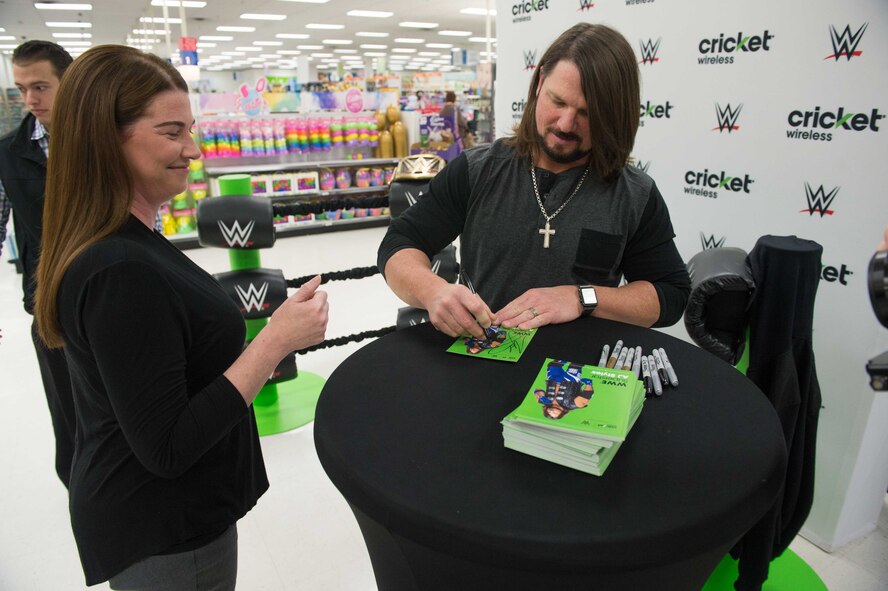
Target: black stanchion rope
<point>322,205</point>
<point>355,273</point>
<point>353,338</point>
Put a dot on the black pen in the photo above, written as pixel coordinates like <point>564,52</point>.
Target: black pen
<point>471,287</point>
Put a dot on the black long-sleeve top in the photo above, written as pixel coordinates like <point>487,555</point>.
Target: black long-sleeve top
<point>167,453</point>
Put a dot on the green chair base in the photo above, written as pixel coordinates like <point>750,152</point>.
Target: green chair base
<point>788,572</point>
<point>294,406</point>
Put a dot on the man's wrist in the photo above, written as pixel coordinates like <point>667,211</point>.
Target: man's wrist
<point>587,299</point>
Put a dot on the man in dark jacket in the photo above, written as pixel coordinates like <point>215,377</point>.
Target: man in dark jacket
<point>37,68</point>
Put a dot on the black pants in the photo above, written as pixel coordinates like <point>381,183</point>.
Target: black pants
<point>59,396</point>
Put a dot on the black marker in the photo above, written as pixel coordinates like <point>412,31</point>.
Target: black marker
<point>603,359</point>
<point>648,384</point>
<point>612,360</point>
<point>673,379</point>
<point>661,370</point>
<point>658,387</point>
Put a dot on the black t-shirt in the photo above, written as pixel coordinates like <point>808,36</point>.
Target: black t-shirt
<point>167,453</point>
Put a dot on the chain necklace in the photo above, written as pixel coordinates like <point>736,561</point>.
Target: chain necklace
<point>547,231</point>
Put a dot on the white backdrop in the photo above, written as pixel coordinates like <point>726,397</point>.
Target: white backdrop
<point>726,87</point>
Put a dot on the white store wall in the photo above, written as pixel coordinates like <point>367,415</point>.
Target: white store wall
<point>784,69</point>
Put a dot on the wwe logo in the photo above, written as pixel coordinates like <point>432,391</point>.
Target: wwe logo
<point>643,166</point>
<point>235,235</point>
<point>711,242</point>
<point>422,320</point>
<point>585,5</point>
<point>819,200</point>
<point>530,58</point>
<point>252,298</point>
<point>411,200</point>
<point>727,118</point>
<point>649,51</point>
<point>436,266</point>
<point>845,43</point>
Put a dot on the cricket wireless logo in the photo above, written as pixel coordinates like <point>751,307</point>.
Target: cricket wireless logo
<point>649,51</point>
<point>721,49</point>
<point>585,5</point>
<point>845,43</point>
<point>651,110</point>
<point>252,298</point>
<point>715,180</point>
<point>727,118</point>
<point>802,121</point>
<point>530,60</point>
<point>709,242</point>
<point>819,200</point>
<point>518,109</point>
<point>522,11</point>
<point>235,235</point>
<point>832,274</point>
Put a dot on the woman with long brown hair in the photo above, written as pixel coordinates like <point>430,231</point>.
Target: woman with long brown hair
<point>167,455</point>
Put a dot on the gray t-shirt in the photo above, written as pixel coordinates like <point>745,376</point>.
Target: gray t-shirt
<point>606,231</point>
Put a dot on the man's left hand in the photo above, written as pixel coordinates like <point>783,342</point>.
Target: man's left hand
<point>540,306</point>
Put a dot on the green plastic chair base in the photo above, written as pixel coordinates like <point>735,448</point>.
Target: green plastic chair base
<point>294,406</point>
<point>786,573</point>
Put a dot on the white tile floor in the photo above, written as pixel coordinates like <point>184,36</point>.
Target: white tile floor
<point>301,536</point>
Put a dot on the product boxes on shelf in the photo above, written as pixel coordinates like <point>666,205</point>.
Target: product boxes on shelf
<point>305,182</point>
<point>260,185</point>
<point>281,184</point>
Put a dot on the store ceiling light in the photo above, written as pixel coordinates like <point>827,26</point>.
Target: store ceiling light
<point>248,48</point>
<point>415,25</point>
<point>229,29</point>
<point>370,34</point>
<point>404,50</point>
<point>66,36</point>
<point>288,52</point>
<point>177,3</point>
<point>373,46</point>
<point>233,53</point>
<point>76,43</point>
<point>374,53</point>
<point>215,38</point>
<point>482,39</point>
<point>345,51</point>
<point>439,45</point>
<point>323,26</point>
<point>160,20</point>
<point>259,16</point>
<point>455,33</point>
<point>409,40</point>
<point>479,11</point>
<point>63,25</point>
<point>370,13</point>
<point>422,59</point>
<point>61,6</point>
<point>337,41</point>
<point>322,55</point>
<point>205,45</point>
<point>310,47</point>
<point>292,36</point>
<point>7,37</point>
<point>268,43</point>
<point>8,46</point>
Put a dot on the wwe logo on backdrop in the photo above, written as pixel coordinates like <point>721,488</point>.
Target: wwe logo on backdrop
<point>642,166</point>
<point>235,235</point>
<point>819,200</point>
<point>845,43</point>
<point>252,298</point>
<point>649,51</point>
<point>530,60</point>
<point>411,200</point>
<point>710,241</point>
<point>727,118</point>
<point>436,267</point>
<point>585,5</point>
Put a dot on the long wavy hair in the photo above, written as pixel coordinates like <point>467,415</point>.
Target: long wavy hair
<point>610,81</point>
<point>89,186</point>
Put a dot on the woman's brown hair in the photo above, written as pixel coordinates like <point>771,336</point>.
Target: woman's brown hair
<point>89,187</point>
<point>610,80</point>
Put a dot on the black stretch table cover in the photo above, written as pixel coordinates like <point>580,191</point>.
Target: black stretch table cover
<point>411,437</point>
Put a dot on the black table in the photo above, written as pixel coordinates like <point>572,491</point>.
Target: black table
<point>411,437</point>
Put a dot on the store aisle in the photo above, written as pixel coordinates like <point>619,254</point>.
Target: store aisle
<point>301,536</point>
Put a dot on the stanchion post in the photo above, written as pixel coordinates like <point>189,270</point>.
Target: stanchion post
<point>239,184</point>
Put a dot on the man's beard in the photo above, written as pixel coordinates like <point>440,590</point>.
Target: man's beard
<point>562,157</point>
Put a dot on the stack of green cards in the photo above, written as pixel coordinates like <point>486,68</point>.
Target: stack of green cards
<point>502,344</point>
<point>575,415</point>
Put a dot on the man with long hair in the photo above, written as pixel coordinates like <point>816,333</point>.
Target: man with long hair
<point>552,218</point>
<point>37,68</point>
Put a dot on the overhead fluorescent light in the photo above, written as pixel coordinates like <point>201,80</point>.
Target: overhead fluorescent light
<point>430,53</point>
<point>152,32</point>
<point>310,46</point>
<point>409,40</point>
<point>439,45</point>
<point>65,36</point>
<point>228,29</point>
<point>455,33</point>
<point>479,11</point>
<point>268,43</point>
<point>9,37</point>
<point>288,52</point>
<point>8,46</point>
<point>370,34</point>
<point>322,55</point>
<point>404,50</point>
<point>61,6</point>
<point>415,25</point>
<point>215,38</point>
<point>204,44</point>
<point>373,46</point>
<point>234,53</point>
<point>160,20</point>
<point>482,39</point>
<point>76,43</point>
<point>323,26</point>
<point>63,25</point>
<point>369,13</point>
<point>345,51</point>
<point>258,16</point>
<point>292,36</point>
<point>177,3</point>
<point>374,53</point>
<point>248,48</point>
<point>337,41</point>
<point>422,59</point>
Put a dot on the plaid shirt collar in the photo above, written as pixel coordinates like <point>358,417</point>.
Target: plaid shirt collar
<point>40,135</point>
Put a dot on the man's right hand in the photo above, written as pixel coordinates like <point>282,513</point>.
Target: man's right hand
<point>456,311</point>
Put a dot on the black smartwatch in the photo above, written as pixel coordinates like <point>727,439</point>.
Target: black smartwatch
<point>588,298</point>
